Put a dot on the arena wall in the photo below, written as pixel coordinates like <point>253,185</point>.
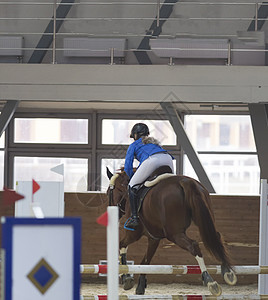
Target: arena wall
<point>237,218</point>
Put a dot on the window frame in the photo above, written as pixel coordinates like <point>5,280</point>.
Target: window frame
<point>218,152</point>
<point>94,151</point>
<point>86,116</point>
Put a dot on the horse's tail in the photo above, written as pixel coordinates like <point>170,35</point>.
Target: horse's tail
<point>197,197</point>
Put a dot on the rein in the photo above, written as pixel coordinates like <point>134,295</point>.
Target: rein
<point>111,198</point>
<point>111,195</point>
<point>120,203</point>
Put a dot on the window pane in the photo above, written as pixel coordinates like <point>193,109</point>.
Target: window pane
<point>118,131</point>
<point>45,130</point>
<point>220,133</point>
<point>38,168</point>
<point>1,169</point>
<point>2,140</point>
<point>114,165</point>
<point>229,174</point>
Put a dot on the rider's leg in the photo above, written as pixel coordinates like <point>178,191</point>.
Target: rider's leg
<point>141,174</point>
<point>133,222</point>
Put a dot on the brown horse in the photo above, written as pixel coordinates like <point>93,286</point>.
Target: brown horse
<point>167,211</point>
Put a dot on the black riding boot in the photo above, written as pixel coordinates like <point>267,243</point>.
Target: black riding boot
<point>133,222</point>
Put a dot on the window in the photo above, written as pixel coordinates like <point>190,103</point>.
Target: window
<point>38,168</point>
<point>118,131</point>
<point>116,139</point>
<point>225,144</point>
<point>230,173</point>
<point>227,152</point>
<point>220,133</point>
<point>2,141</point>
<point>114,166</point>
<point>51,130</point>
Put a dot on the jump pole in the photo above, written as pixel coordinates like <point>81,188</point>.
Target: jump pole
<point>171,269</point>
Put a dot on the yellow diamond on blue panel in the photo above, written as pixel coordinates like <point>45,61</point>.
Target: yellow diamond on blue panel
<point>42,276</point>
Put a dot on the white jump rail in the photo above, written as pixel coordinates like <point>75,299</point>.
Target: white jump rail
<point>171,269</point>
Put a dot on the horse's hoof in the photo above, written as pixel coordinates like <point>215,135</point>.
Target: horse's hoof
<point>140,291</point>
<point>142,284</point>
<point>128,283</point>
<point>230,278</point>
<point>214,288</point>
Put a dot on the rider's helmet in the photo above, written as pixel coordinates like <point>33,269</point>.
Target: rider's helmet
<point>140,129</point>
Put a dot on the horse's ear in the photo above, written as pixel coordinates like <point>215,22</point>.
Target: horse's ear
<point>109,173</point>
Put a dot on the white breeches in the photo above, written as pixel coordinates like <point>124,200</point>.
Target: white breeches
<point>149,165</point>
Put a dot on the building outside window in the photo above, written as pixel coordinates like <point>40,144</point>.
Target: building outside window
<point>227,151</point>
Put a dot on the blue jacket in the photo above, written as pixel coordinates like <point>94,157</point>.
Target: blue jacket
<point>141,152</point>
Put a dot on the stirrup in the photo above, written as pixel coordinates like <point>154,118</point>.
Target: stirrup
<point>132,223</point>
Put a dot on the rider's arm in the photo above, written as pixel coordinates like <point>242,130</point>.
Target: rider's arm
<point>129,160</point>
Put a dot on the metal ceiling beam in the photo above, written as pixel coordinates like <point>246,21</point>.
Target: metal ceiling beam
<point>6,114</point>
<point>262,13</point>
<point>46,40</point>
<point>185,143</point>
<point>154,31</point>
<point>259,120</point>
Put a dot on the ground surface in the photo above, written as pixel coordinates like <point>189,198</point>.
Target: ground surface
<point>171,289</point>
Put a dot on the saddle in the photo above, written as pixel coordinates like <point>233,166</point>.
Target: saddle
<point>144,189</point>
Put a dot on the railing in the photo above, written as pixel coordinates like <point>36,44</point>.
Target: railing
<point>155,16</point>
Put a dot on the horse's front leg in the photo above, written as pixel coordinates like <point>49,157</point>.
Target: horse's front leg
<point>151,249</point>
<point>130,237</point>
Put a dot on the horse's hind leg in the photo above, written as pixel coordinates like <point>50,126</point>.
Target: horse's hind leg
<point>227,272</point>
<point>228,275</point>
<point>151,248</point>
<point>192,246</point>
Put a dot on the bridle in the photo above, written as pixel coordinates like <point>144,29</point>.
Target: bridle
<point>120,204</point>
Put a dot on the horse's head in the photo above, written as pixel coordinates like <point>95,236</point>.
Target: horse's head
<point>118,190</point>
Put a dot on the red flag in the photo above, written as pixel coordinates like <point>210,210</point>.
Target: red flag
<point>10,196</point>
<point>103,219</point>
<point>36,186</point>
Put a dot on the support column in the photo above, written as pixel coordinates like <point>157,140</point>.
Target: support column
<point>6,114</point>
<point>259,121</point>
<point>192,155</point>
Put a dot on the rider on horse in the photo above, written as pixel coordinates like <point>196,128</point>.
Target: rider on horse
<point>151,155</point>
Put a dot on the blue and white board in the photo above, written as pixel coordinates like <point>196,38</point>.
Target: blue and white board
<point>41,258</point>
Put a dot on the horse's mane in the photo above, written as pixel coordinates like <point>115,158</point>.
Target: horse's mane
<point>121,170</point>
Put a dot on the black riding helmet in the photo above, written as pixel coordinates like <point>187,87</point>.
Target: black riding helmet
<point>140,129</point>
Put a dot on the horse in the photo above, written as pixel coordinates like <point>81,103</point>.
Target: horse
<point>166,212</point>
